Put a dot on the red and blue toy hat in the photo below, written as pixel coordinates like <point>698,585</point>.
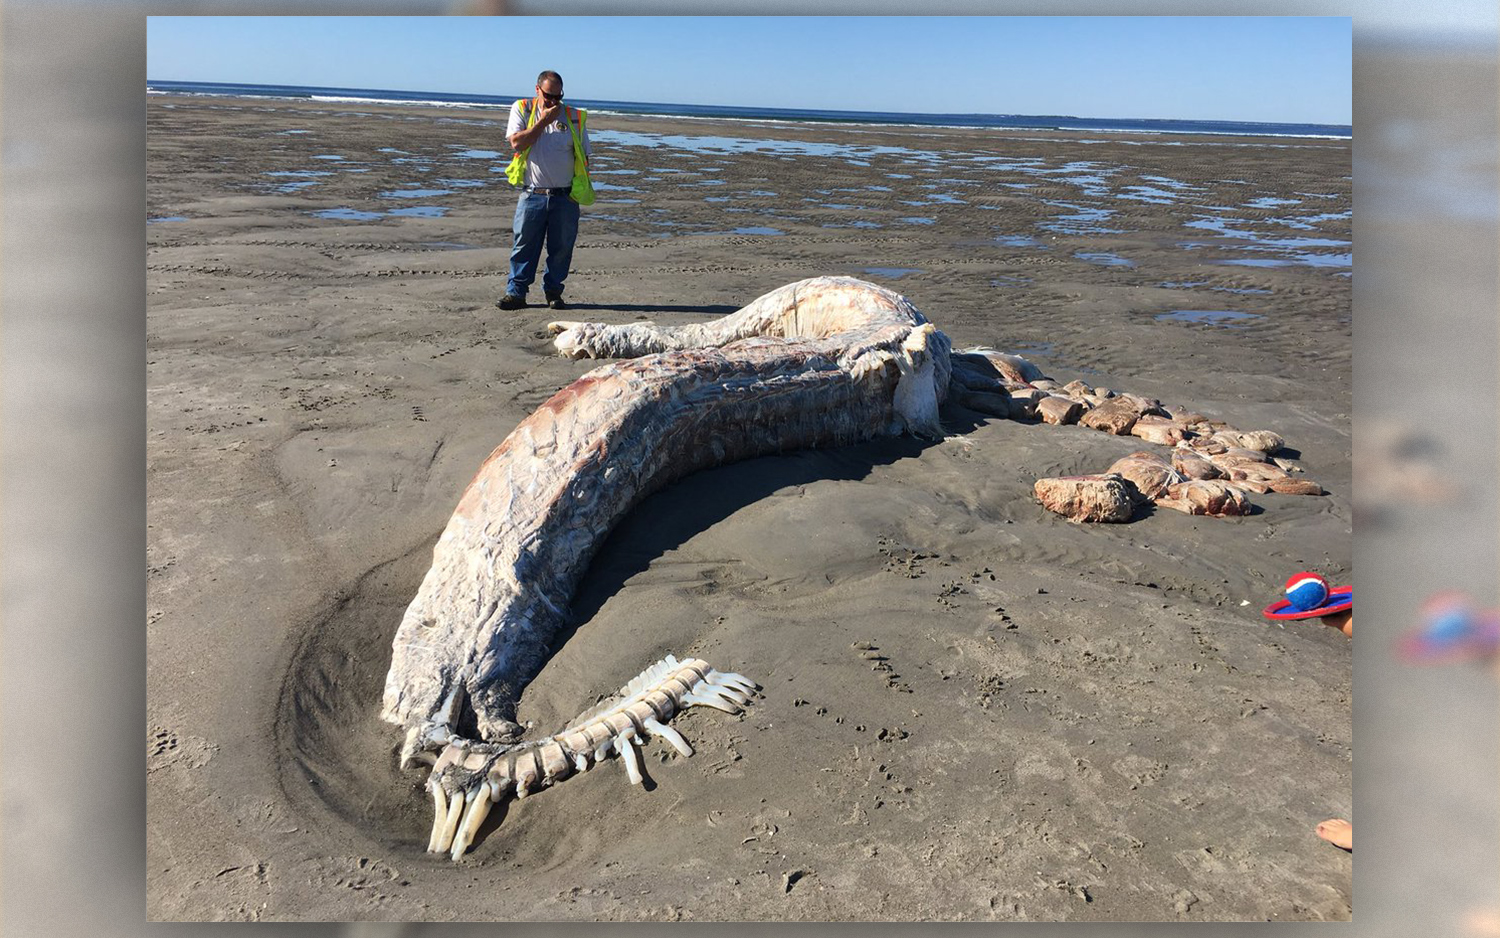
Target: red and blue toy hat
<point>1452,629</point>
<point>1308,596</point>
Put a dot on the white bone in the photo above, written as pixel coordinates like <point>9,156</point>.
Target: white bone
<point>447,757</point>
<point>627,753</point>
<point>731,679</point>
<point>450,823</point>
<point>479,808</point>
<point>581,761</point>
<point>720,680</point>
<point>657,728</point>
<point>718,703</point>
<point>708,691</point>
<point>450,709</point>
<point>439,814</point>
<point>731,693</point>
<point>602,751</point>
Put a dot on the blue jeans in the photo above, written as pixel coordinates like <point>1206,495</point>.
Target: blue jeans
<point>539,218</point>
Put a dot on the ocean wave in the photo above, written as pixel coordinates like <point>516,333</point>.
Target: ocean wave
<point>424,102</point>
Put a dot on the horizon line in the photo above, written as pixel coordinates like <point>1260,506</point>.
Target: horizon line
<point>767,107</point>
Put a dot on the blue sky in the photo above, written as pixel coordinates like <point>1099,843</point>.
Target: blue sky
<point>1295,69</point>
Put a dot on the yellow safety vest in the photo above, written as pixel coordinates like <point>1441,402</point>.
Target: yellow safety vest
<point>583,188</point>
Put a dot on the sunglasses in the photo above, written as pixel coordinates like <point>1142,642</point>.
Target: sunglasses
<point>549,97</point>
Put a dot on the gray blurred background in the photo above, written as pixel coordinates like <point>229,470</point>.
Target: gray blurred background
<point>72,448</point>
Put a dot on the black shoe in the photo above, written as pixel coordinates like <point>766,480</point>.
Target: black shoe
<point>555,301</point>
<point>510,301</point>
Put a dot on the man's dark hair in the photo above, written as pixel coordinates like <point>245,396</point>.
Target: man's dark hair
<point>549,74</point>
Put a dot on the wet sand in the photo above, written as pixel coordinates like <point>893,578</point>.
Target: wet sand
<point>972,709</point>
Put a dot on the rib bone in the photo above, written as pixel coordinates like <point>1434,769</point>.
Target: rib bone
<point>450,821</point>
<point>629,757</point>
<point>710,700</point>
<point>730,679</point>
<point>670,735</point>
<point>479,807</point>
<point>439,814</point>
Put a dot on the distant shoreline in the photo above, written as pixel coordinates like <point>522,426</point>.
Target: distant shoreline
<point>726,112</point>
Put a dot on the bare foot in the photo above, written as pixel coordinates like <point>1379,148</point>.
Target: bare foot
<point>1343,621</point>
<point>1338,832</point>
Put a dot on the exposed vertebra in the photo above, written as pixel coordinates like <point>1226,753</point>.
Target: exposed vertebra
<point>469,776</point>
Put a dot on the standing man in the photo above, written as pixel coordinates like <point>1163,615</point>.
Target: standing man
<point>543,131</point>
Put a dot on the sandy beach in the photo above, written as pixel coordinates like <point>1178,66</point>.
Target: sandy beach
<point>972,709</point>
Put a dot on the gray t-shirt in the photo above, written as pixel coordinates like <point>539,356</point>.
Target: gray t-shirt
<point>550,162</point>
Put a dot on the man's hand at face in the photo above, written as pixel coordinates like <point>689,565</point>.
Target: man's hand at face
<point>551,98</point>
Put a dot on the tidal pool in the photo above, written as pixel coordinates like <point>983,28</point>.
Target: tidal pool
<point>348,214</point>
<point>414,193</point>
<point>1211,317</point>
<point>1100,257</point>
<point>1018,241</point>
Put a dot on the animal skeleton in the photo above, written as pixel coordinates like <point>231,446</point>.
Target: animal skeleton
<point>822,362</point>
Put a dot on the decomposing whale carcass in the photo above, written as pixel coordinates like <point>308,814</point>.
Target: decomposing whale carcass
<point>822,362</point>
